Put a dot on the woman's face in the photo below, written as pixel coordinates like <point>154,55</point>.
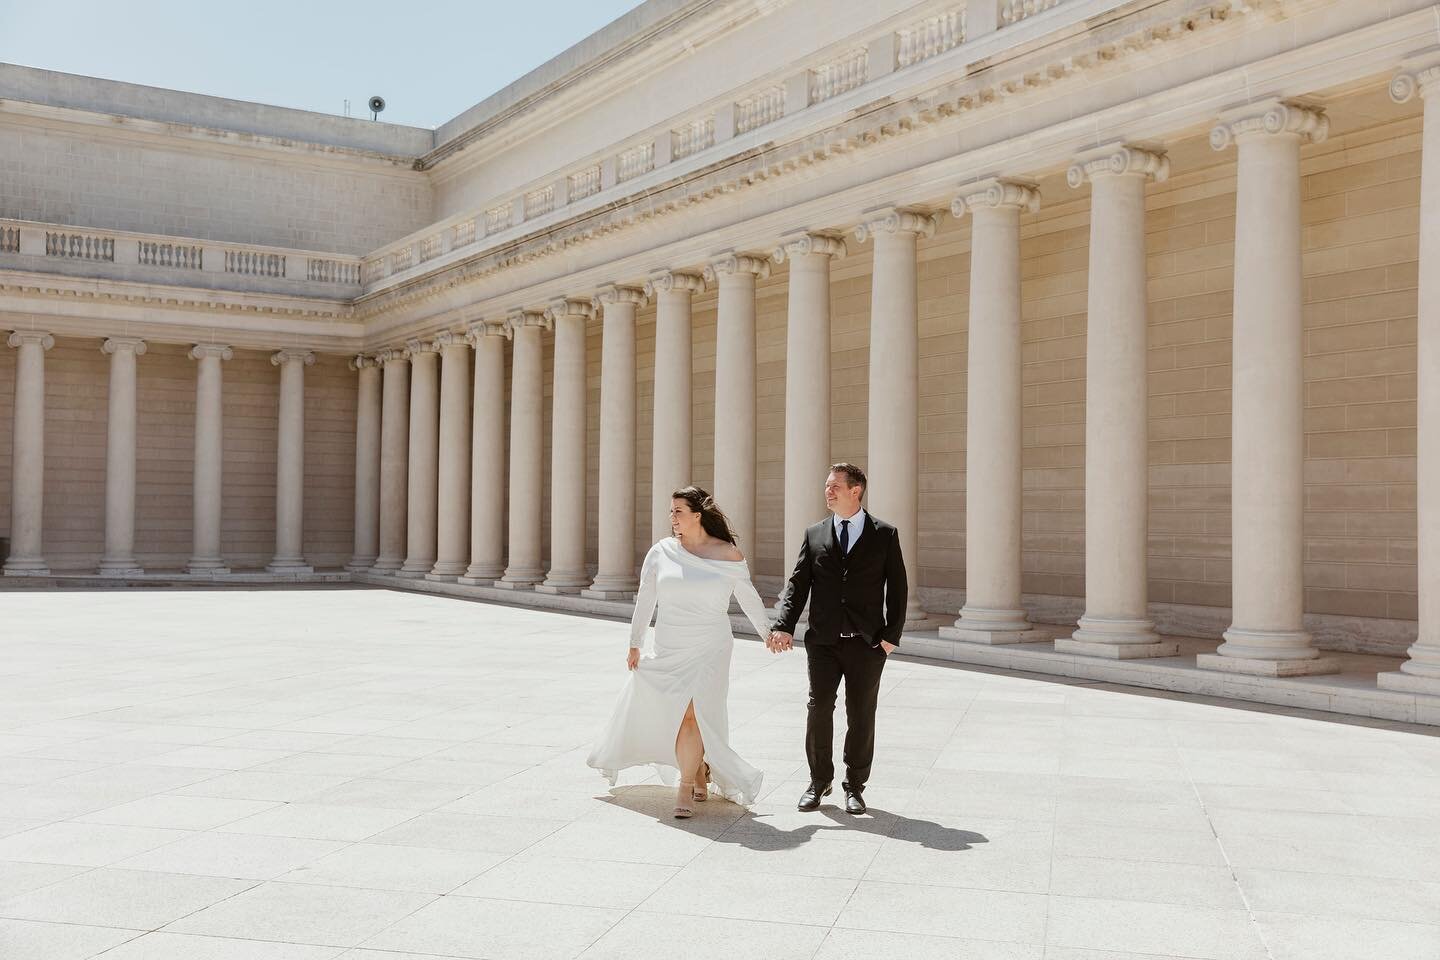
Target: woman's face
<point>684,522</point>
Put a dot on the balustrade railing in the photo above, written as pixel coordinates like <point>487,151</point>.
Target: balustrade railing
<point>767,106</point>
<point>254,263</point>
<point>635,161</point>
<point>497,218</point>
<point>838,76</point>
<point>430,247</point>
<point>540,202</point>
<point>463,233</point>
<point>9,239</point>
<point>1013,11</point>
<point>693,137</point>
<point>79,246</point>
<point>931,37</point>
<point>585,182</point>
<point>402,259</point>
<point>332,271</point>
<point>183,256</point>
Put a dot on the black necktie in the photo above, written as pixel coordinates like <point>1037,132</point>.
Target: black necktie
<point>844,537</point>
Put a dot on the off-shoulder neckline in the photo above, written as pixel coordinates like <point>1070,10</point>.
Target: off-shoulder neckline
<point>695,556</point>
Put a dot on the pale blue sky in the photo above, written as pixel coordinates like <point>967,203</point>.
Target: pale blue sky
<point>430,60</point>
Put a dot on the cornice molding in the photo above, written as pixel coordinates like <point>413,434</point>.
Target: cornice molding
<point>1121,160</point>
<point>1270,116</point>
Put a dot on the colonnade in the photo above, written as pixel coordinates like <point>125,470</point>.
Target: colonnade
<point>427,473</point>
<point>26,554</point>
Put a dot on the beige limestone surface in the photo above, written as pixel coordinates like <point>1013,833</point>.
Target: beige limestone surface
<point>317,774</point>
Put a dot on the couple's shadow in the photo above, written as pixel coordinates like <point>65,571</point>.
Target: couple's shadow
<point>755,831</point>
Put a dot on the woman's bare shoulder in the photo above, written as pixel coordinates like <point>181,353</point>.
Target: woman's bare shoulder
<point>732,553</point>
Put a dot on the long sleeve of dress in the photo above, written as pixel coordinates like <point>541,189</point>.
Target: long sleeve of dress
<point>752,606</point>
<point>645,600</point>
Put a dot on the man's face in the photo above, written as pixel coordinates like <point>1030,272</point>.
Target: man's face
<point>841,498</point>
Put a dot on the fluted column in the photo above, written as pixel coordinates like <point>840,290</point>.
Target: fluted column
<point>452,546</point>
<point>670,453</point>
<point>422,484</point>
<point>993,484</point>
<point>1420,673</point>
<point>527,451</point>
<point>807,382</point>
<point>487,456</point>
<point>394,458</point>
<point>367,463</point>
<point>894,428</point>
<point>1267,482</point>
<point>615,579</point>
<point>290,464</point>
<point>27,464</point>
<point>209,458</point>
<point>568,479</point>
<point>120,428</point>
<point>1116,623</point>
<point>735,379</point>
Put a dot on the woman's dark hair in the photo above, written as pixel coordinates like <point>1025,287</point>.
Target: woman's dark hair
<point>712,518</point>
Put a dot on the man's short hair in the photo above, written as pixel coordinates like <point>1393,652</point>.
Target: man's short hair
<point>854,476</point>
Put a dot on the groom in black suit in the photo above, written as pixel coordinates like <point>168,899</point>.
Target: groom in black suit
<point>851,570</point>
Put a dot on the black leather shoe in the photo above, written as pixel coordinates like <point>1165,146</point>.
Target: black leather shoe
<point>810,799</point>
<point>854,803</point>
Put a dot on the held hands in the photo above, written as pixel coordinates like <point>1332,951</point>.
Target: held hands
<point>779,642</point>
<point>632,659</point>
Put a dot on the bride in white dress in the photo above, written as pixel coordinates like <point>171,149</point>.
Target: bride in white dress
<point>673,712</point>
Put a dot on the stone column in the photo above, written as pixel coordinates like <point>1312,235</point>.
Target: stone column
<point>894,429</point>
<point>807,383</point>
<point>422,484</point>
<point>1421,672</point>
<point>615,579</point>
<point>394,458</point>
<point>1116,623</point>
<point>27,465</point>
<point>527,450</point>
<point>1267,482</point>
<point>119,558</point>
<point>992,611</point>
<point>290,464</point>
<point>367,464</point>
<point>452,551</point>
<point>209,458</point>
<point>735,379</point>
<point>568,479</point>
<point>487,463</point>
<point>671,450</point>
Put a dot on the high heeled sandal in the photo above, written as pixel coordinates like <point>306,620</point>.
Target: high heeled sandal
<point>683,798</point>
<point>702,783</point>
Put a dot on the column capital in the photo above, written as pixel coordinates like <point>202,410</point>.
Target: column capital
<point>994,194</point>
<point>362,362</point>
<point>732,264</point>
<point>307,357</point>
<point>1118,160</point>
<point>481,329</point>
<point>203,351</point>
<point>618,293</point>
<point>392,355</point>
<point>519,319</point>
<point>117,344</point>
<point>449,339</point>
<point>581,307</point>
<point>20,337</point>
<point>895,220</point>
<point>1418,74</point>
<point>799,245</point>
<point>668,280</point>
<point>417,347</point>
<point>1270,116</point>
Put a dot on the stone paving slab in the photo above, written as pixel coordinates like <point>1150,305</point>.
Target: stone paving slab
<point>374,775</point>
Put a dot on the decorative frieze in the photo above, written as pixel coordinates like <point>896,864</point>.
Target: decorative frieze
<point>1118,161</point>
<point>1270,117</point>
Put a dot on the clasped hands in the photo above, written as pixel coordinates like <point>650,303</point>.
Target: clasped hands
<point>778,642</point>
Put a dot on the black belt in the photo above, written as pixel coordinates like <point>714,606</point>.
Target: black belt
<point>847,636</point>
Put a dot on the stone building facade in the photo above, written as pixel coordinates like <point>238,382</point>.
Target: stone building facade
<point>1122,304</point>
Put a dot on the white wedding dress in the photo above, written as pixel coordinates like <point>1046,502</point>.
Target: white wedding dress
<point>691,661</point>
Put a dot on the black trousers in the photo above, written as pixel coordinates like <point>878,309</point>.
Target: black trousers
<point>860,665</point>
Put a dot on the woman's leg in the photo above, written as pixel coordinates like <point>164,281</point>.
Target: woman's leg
<point>689,746</point>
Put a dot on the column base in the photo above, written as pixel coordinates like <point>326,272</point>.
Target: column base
<point>917,619</point>
<point>564,582</point>
<point>611,588</point>
<point>386,565</point>
<point>481,576</point>
<point>26,568</point>
<point>522,583</point>
<point>1114,638</point>
<point>288,566</point>
<point>446,571</point>
<point>207,568</point>
<point>992,637</point>
<point>358,564</point>
<point>1402,682</point>
<point>119,568</point>
<point>415,569</point>
<point>590,593</point>
<point>1268,668</point>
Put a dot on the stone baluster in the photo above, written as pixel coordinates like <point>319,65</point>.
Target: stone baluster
<point>1267,483</point>
<point>120,436</point>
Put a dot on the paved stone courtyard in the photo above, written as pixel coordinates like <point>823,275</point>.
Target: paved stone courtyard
<point>315,774</point>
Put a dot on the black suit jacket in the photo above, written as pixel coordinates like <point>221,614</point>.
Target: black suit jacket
<point>863,592</point>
